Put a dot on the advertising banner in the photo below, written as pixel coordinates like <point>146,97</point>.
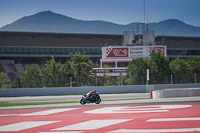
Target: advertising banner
<point>137,51</point>
<point>130,52</point>
<point>157,49</point>
<point>117,52</point>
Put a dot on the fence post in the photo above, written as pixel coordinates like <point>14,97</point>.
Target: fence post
<point>195,78</point>
<point>171,79</point>
<point>122,79</point>
<point>119,80</point>
<point>70,81</point>
<point>142,80</point>
<point>147,76</point>
<point>95,78</point>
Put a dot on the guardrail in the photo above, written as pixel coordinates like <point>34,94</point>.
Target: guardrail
<point>81,90</point>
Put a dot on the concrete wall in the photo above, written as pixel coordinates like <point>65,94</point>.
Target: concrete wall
<point>170,86</point>
<point>71,90</point>
<point>169,93</point>
<point>82,90</point>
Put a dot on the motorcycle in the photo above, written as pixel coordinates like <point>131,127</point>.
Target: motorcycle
<point>95,99</point>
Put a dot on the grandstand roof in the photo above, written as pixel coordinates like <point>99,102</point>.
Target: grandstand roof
<point>34,39</point>
<point>173,42</point>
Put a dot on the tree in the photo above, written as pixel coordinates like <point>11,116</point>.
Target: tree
<point>194,64</point>
<point>54,74</point>
<point>80,68</point>
<point>136,71</point>
<point>107,79</point>
<point>180,71</point>
<point>2,79</point>
<point>30,78</point>
<point>179,66</point>
<point>159,68</point>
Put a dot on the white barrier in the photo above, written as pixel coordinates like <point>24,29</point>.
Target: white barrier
<point>169,93</point>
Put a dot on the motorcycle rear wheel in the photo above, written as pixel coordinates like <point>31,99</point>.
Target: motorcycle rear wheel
<point>98,101</point>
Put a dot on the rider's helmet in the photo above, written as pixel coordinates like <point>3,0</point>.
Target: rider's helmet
<point>94,91</point>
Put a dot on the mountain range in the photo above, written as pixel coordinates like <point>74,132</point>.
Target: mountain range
<point>48,21</point>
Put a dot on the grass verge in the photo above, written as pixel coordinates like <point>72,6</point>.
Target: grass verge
<point>7,104</point>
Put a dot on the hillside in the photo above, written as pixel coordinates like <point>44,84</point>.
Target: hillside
<point>48,21</point>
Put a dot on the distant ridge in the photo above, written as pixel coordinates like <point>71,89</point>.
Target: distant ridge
<point>48,21</point>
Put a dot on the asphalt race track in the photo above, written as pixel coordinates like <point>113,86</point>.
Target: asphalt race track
<point>126,118</point>
<point>72,98</point>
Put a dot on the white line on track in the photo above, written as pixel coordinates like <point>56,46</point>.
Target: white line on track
<point>24,125</point>
<point>8,115</point>
<point>155,130</point>
<point>48,112</point>
<point>93,124</point>
<point>136,109</point>
<point>64,132</point>
<point>174,119</point>
<point>45,112</point>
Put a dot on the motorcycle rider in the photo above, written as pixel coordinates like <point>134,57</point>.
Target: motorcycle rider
<point>91,95</point>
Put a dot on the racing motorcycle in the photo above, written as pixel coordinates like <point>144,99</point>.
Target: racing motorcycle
<point>95,99</point>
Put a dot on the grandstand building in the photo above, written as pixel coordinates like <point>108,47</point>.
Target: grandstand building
<point>20,48</point>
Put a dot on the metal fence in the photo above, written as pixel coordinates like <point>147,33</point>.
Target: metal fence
<point>120,80</point>
<point>140,80</point>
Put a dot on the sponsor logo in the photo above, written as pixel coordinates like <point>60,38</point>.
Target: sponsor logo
<point>116,52</point>
<point>156,50</point>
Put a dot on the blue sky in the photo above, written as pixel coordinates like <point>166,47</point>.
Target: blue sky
<point>117,11</point>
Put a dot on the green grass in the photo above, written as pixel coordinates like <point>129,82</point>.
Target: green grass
<point>7,104</point>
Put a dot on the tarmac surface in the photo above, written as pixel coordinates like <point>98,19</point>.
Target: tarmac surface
<point>71,98</point>
<point>115,102</point>
<point>179,115</point>
<point>118,116</point>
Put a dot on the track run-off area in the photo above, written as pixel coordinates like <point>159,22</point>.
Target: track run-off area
<point>126,118</point>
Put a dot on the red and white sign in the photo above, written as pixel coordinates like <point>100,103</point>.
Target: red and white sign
<point>154,49</point>
<point>116,52</point>
<point>131,52</point>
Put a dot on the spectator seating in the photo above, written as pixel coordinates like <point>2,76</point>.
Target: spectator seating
<point>1,68</point>
<point>14,70</point>
<point>19,68</point>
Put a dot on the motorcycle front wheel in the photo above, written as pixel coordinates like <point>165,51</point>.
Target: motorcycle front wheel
<point>82,101</point>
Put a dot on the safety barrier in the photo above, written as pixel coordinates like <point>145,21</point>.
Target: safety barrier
<point>180,92</point>
<point>81,90</point>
